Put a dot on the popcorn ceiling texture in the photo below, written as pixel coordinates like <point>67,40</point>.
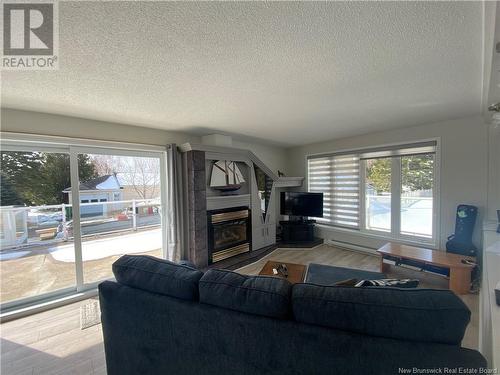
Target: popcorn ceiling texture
<point>293,73</point>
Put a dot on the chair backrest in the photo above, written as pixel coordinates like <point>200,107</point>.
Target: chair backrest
<point>461,241</point>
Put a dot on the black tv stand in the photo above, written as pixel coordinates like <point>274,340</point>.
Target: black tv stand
<point>299,233</point>
<point>299,220</point>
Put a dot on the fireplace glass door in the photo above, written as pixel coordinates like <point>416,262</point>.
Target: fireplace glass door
<point>229,233</point>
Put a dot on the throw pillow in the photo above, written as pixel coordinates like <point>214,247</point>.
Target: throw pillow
<point>396,283</point>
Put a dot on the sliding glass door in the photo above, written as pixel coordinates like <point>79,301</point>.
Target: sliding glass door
<point>34,215</point>
<point>68,212</point>
<point>120,209</point>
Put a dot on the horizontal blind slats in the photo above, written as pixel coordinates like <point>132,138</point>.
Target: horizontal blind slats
<point>337,177</point>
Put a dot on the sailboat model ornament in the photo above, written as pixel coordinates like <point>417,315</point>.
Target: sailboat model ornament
<point>226,176</point>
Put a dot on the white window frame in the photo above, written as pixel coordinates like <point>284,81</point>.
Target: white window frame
<point>74,146</point>
<point>394,234</point>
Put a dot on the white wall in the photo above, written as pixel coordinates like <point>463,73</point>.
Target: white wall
<point>464,168</point>
<point>65,126</point>
<point>49,124</point>
<point>274,157</point>
<point>494,171</point>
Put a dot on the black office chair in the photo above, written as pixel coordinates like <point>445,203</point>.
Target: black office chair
<point>461,241</point>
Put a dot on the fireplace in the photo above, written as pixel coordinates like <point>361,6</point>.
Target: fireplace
<point>229,233</point>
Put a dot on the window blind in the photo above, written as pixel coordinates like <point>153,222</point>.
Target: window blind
<point>337,177</point>
<point>399,150</point>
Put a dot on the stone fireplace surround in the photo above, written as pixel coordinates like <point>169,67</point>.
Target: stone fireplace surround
<point>196,183</point>
<point>197,207</point>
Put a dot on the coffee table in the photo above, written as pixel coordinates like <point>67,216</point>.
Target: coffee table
<point>296,272</point>
<point>460,273</point>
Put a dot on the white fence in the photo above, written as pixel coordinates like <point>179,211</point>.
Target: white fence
<point>427,193</point>
<point>20,226</point>
<point>416,214</point>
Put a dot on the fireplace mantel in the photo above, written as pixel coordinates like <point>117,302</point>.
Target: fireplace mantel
<point>228,201</point>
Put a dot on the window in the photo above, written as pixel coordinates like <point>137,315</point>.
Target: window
<point>378,194</point>
<point>337,177</point>
<point>389,191</point>
<point>417,202</point>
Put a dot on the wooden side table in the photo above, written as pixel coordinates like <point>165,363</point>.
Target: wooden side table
<point>460,273</point>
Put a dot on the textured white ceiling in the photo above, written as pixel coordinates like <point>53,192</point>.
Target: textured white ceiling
<point>288,72</point>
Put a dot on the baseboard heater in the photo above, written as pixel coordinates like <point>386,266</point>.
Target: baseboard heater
<point>351,246</point>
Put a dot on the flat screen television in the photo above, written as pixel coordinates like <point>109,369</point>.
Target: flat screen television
<point>301,204</point>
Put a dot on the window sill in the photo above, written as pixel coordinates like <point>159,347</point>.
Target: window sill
<point>380,236</point>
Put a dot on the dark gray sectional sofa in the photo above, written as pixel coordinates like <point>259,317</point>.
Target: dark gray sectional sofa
<point>164,318</point>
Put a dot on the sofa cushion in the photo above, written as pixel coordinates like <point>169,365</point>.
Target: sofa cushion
<point>410,314</point>
<point>187,263</point>
<point>260,295</point>
<point>158,276</point>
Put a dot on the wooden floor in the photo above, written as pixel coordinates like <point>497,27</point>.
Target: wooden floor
<point>53,343</point>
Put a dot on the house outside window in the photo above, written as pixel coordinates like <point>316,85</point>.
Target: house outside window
<point>388,191</point>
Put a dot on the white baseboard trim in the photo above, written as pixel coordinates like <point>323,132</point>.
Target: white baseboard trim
<point>351,247</point>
